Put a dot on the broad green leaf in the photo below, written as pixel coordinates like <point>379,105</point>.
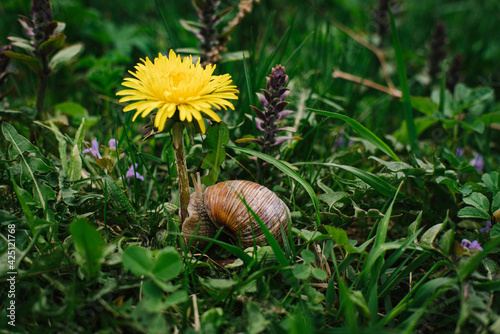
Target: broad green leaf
<point>34,63</point>
<point>489,119</point>
<point>425,105</point>
<point>430,235</point>
<point>25,199</point>
<point>421,124</point>
<point>8,218</point>
<point>495,203</point>
<point>308,256</point>
<point>89,249</point>
<point>64,56</point>
<point>362,131</point>
<point>338,235</point>
<point>38,165</point>
<point>474,96</point>
<point>301,271</point>
<point>473,125</point>
<point>491,181</point>
<point>309,236</point>
<point>167,264</point>
<point>495,231</point>
<point>176,298</point>
<point>218,288</point>
<point>477,200</point>
<point>138,260</point>
<point>289,172</point>
<point>71,109</point>
<point>319,274</point>
<point>47,192</point>
<point>471,212</point>
<point>331,198</point>
<point>19,144</point>
<point>256,321</point>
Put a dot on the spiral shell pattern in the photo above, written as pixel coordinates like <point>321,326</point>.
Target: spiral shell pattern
<point>225,207</point>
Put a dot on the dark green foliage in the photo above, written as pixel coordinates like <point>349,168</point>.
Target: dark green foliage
<point>394,192</point>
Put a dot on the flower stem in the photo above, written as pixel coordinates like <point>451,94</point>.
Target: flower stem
<point>180,161</point>
<point>42,88</point>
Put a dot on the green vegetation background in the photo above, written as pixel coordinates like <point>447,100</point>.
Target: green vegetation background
<point>108,258</point>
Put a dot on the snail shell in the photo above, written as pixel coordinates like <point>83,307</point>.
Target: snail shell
<point>222,205</point>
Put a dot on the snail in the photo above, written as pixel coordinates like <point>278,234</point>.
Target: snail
<point>221,205</point>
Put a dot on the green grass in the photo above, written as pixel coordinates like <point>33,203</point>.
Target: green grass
<point>380,199</point>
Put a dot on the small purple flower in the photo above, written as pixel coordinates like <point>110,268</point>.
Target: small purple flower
<point>132,173</point>
<point>459,152</point>
<point>478,162</point>
<point>112,143</point>
<point>487,228</point>
<point>466,244</point>
<point>339,142</point>
<point>94,150</point>
<point>475,245</point>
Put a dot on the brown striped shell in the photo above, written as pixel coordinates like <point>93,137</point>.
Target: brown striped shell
<point>222,205</point>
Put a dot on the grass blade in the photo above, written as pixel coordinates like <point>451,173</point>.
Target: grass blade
<point>362,131</point>
<point>374,181</point>
<point>403,81</point>
<point>236,251</point>
<point>288,171</point>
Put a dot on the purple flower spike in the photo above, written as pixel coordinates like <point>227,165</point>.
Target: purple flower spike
<point>459,152</point>
<point>112,144</point>
<point>272,110</point>
<point>132,173</point>
<point>94,150</point>
<point>487,228</point>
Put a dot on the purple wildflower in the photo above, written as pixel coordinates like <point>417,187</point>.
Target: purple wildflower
<point>487,228</point>
<point>478,162</point>
<point>112,143</point>
<point>466,244</point>
<point>273,109</point>
<point>339,142</point>
<point>132,173</point>
<point>94,150</point>
<point>459,152</point>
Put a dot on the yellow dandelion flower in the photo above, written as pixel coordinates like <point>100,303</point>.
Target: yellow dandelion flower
<point>178,89</point>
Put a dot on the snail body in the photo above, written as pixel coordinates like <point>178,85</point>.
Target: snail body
<point>223,205</point>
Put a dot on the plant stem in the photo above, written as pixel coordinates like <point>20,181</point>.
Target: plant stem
<point>180,161</point>
<point>42,86</point>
